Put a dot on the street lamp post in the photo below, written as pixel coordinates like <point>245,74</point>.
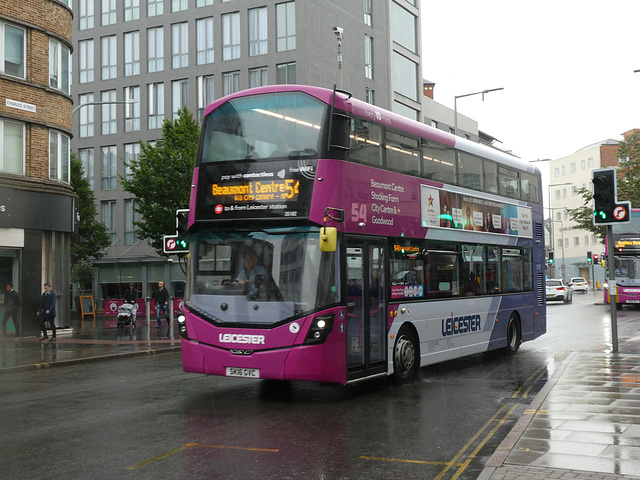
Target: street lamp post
<point>455,105</point>
<point>78,107</point>
<point>552,226</point>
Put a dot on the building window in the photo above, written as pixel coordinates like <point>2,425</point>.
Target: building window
<point>131,10</point>
<point>180,96</point>
<point>574,191</point>
<point>566,242</point>
<point>403,28</point>
<point>58,156</point>
<point>206,94</point>
<point>564,170</point>
<point>286,73</point>
<point>131,53</point>
<point>58,66</point>
<point>180,45</point>
<point>258,31</point>
<point>109,113</point>
<point>108,216</point>
<point>85,51</point>
<point>86,159</point>
<point>156,105</point>
<point>13,53</point>
<point>230,36</point>
<point>556,172</point>
<point>590,163</point>
<point>368,12</point>
<point>132,109</point>
<point>108,12</point>
<point>86,14</point>
<point>108,167</point>
<point>576,241</point>
<point>155,7</point>
<point>557,194</point>
<point>583,164</point>
<point>230,82</point>
<point>368,57</point>
<point>285,26</point>
<point>179,5</point>
<point>109,57</point>
<point>13,147</point>
<point>594,239</point>
<point>258,77</point>
<point>204,41</point>
<point>564,193</point>
<point>370,96</point>
<point>155,47</point>
<point>586,240</point>
<point>558,214</point>
<point>86,115</point>
<point>405,76</point>
<point>204,3</point>
<point>572,168</point>
<point>131,154</point>
<point>130,216</point>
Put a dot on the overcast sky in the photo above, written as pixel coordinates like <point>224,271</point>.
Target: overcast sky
<point>566,67</point>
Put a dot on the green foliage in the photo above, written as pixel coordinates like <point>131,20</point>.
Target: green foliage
<point>628,179</point>
<point>161,177</point>
<point>92,237</point>
<point>583,216</point>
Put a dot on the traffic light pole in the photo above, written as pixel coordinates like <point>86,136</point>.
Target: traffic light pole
<point>612,289</point>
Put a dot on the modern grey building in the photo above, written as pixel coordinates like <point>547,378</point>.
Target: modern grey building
<point>159,55</point>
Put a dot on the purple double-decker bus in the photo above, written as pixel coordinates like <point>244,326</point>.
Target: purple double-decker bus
<point>334,241</point>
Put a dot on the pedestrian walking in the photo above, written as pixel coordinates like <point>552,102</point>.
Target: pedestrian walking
<point>47,312</point>
<point>162,304</point>
<point>11,305</point>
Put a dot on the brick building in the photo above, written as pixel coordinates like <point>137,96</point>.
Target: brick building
<point>37,204</point>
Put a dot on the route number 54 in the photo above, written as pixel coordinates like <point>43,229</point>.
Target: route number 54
<point>358,212</point>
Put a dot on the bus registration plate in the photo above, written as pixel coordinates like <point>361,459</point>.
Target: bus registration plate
<point>633,301</point>
<point>243,372</point>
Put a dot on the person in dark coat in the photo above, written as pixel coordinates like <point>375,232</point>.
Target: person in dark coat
<point>47,312</point>
<point>11,305</point>
<point>162,304</point>
<point>131,295</point>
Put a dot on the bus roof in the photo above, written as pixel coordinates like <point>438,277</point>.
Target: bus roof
<point>347,103</point>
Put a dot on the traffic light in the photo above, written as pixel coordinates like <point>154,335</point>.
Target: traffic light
<point>175,244</point>
<point>182,221</point>
<point>589,258</point>
<point>607,210</point>
<point>595,259</point>
<point>550,258</point>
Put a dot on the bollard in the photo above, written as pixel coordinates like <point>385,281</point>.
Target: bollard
<point>171,312</point>
<point>148,310</point>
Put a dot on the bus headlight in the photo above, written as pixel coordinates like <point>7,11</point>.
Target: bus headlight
<point>320,329</point>
<point>182,326</point>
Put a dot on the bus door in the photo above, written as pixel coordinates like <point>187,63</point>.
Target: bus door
<point>366,326</point>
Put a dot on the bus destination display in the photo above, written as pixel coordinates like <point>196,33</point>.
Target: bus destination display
<point>253,190</point>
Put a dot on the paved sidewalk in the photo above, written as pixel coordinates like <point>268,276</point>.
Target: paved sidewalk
<point>75,345</point>
<point>584,423</point>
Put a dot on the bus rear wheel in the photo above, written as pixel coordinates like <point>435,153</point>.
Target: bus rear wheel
<point>514,335</point>
<point>405,357</point>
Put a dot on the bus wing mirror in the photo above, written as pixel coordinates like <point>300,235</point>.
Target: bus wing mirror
<point>328,239</point>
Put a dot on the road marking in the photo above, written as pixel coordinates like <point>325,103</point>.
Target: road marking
<point>403,460</point>
<point>489,435</point>
<point>191,445</point>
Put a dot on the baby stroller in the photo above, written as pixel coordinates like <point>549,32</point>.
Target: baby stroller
<point>127,315</point>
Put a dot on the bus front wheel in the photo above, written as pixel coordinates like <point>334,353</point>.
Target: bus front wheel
<point>514,335</point>
<point>406,357</point>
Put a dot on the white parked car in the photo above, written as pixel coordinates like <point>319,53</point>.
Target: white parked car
<point>557,290</point>
<point>579,284</point>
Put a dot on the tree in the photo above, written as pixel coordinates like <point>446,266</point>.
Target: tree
<point>628,181</point>
<point>92,237</point>
<point>161,177</point>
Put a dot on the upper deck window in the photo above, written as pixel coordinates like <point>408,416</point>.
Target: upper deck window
<point>282,125</point>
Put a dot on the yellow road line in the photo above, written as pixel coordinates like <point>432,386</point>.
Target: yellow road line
<point>402,460</point>
<point>191,445</point>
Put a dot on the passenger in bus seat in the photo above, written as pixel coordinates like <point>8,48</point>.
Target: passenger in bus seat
<point>473,287</point>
